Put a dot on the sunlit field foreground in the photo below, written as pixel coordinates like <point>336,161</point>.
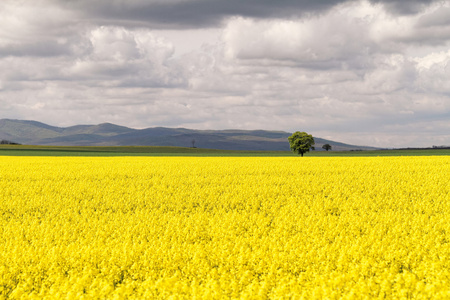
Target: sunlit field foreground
<point>211,227</point>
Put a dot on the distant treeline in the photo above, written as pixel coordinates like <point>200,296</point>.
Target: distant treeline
<point>6,142</point>
<point>434,147</point>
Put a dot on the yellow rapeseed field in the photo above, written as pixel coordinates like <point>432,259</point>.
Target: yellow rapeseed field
<point>232,228</point>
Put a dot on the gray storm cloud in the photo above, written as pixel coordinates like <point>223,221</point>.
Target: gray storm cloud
<point>366,72</point>
<point>184,14</point>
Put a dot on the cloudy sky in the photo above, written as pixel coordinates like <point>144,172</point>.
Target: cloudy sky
<point>371,73</point>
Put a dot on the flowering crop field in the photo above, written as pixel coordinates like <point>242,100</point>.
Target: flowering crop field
<point>233,228</point>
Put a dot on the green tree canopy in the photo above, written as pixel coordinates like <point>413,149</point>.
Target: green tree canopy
<point>301,142</point>
<point>326,147</point>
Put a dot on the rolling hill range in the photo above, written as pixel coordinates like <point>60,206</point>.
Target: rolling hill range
<point>106,134</point>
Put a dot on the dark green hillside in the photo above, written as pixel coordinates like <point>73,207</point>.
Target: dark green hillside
<point>104,129</point>
<point>23,131</point>
<point>107,134</point>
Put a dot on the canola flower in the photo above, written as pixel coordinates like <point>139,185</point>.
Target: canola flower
<point>224,228</point>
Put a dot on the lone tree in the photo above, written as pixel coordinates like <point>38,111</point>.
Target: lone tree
<point>326,147</point>
<point>301,142</point>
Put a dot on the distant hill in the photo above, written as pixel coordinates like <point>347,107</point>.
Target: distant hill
<point>106,134</point>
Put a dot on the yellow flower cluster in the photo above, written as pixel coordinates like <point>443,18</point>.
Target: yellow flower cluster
<point>233,228</point>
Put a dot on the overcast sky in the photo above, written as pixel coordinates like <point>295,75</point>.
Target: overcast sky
<point>371,73</point>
